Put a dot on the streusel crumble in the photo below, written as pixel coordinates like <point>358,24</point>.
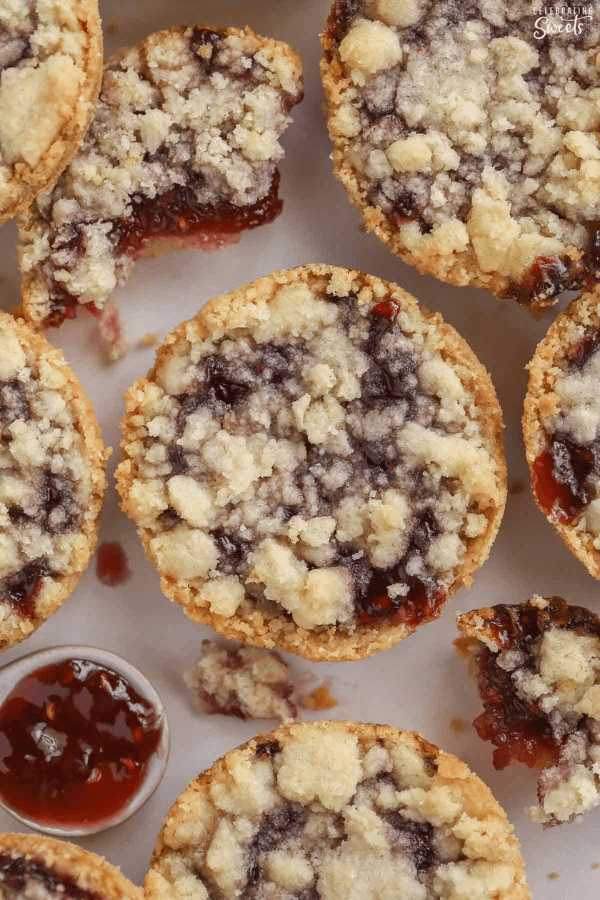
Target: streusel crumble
<point>468,139</point>
<point>332,810</point>
<point>247,682</point>
<point>50,71</point>
<point>52,461</point>
<point>183,149</point>
<point>538,669</point>
<point>314,463</point>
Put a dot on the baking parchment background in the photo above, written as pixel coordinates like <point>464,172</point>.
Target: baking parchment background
<point>420,684</point>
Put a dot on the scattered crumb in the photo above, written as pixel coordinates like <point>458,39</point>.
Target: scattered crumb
<point>321,698</point>
<point>595,865</point>
<point>246,682</point>
<point>150,339</point>
<point>109,330</point>
<point>516,487</point>
<point>111,564</point>
<point>458,725</point>
<point>111,29</point>
<point>553,875</point>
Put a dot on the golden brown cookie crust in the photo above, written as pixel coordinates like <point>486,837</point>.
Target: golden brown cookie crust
<point>89,871</point>
<point>330,644</point>
<point>76,113</point>
<point>546,365</point>
<point>430,772</point>
<point>368,45</point>
<point>94,454</point>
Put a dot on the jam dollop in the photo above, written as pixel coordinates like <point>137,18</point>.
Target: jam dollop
<point>75,743</point>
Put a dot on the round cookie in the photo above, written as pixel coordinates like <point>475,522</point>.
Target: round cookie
<point>468,139</point>
<point>53,463</point>
<point>314,463</point>
<point>394,817</point>
<point>48,869</point>
<point>561,427</point>
<point>50,71</point>
<point>537,666</point>
<point>182,151</point>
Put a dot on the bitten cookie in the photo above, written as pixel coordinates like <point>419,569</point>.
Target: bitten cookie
<point>48,869</point>
<point>331,810</point>
<point>314,463</point>
<point>52,481</point>
<point>182,150</point>
<point>50,71</point>
<point>537,665</point>
<point>466,133</point>
<point>561,427</point>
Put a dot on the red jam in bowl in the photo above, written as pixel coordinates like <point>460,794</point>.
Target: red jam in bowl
<point>75,743</point>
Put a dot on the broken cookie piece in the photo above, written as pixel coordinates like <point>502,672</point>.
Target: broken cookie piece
<point>183,150</point>
<point>50,71</point>
<point>314,463</point>
<point>537,665</point>
<point>53,464</point>
<point>561,427</point>
<point>469,143</point>
<point>332,810</point>
<point>246,682</point>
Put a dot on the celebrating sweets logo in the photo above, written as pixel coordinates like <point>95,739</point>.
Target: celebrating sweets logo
<point>561,20</point>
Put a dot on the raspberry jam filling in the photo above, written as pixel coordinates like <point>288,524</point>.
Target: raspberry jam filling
<point>520,730</point>
<point>562,475</point>
<point>23,589</point>
<point>173,216</point>
<point>32,878</point>
<point>75,741</point>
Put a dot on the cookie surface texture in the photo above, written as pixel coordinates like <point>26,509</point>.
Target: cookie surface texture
<point>52,480</point>
<point>50,71</point>
<point>394,817</point>
<point>182,151</point>
<point>468,139</point>
<point>314,463</point>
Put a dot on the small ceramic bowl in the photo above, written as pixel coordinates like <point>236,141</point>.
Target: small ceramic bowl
<point>12,673</point>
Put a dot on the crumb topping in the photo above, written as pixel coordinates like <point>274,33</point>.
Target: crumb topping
<point>543,659</point>
<point>47,481</point>
<point>277,820</point>
<point>246,682</point>
<point>315,457</point>
<point>471,142</point>
<point>185,139</point>
<point>569,412</point>
<point>43,49</point>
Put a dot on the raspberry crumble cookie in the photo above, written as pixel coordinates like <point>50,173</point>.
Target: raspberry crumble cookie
<point>50,72</point>
<point>314,463</point>
<point>182,150</point>
<point>246,682</point>
<point>469,145</point>
<point>561,426</point>
<point>52,480</point>
<point>43,868</point>
<point>538,669</point>
<point>394,817</point>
